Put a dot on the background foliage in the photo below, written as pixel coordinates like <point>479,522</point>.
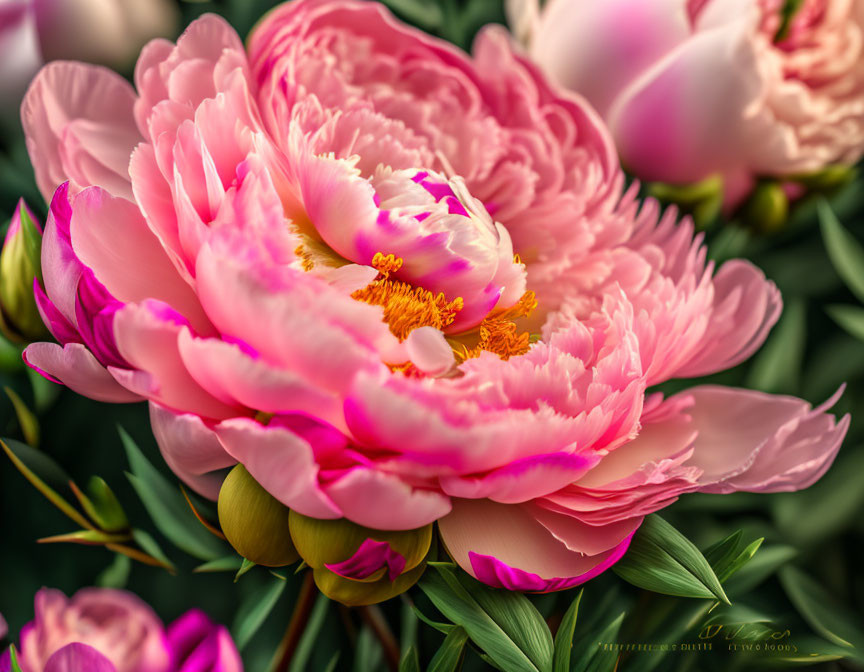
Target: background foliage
<point>803,585</point>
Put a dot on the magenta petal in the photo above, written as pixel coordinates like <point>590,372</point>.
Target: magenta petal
<point>368,559</point>
<point>78,658</point>
<point>497,574</point>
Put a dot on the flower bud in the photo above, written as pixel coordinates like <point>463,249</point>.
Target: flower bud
<point>702,200</point>
<point>357,565</point>
<point>827,179</point>
<point>20,264</point>
<point>254,522</point>
<point>767,208</point>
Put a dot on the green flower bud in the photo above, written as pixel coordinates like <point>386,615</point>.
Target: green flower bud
<point>358,565</point>
<point>254,522</point>
<point>701,200</point>
<point>20,264</point>
<point>827,179</point>
<point>767,208</point>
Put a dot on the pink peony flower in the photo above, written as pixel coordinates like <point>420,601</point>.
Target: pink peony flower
<point>399,285</point>
<point>105,630</point>
<point>692,88</point>
<point>110,32</point>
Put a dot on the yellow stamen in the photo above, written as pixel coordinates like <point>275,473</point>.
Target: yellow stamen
<point>499,334</point>
<point>406,307</point>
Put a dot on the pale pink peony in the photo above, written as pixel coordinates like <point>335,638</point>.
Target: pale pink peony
<point>692,88</point>
<point>309,268</point>
<point>106,630</point>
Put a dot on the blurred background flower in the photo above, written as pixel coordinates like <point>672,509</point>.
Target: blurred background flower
<point>747,90</point>
<point>106,32</point>
<point>106,630</point>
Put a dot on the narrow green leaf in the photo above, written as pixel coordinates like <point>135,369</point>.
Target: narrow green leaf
<point>16,449</point>
<point>13,656</point>
<point>564,636</point>
<point>740,560</point>
<point>254,611</point>
<point>597,653</point>
<point>850,318</point>
<point>368,654</point>
<point>299,663</point>
<point>115,575</point>
<point>87,537</point>
<point>822,612</point>
<point>777,367</point>
<point>168,508</point>
<point>149,545</point>
<point>459,607</point>
<point>440,627</point>
<point>331,666</point>
<point>764,564</point>
<point>230,563</point>
<point>101,505</point>
<point>447,657</point>
<point>721,554</point>
<point>28,422</point>
<point>517,617</point>
<point>245,566</point>
<point>846,253</point>
<point>409,623</point>
<point>410,661</point>
<point>662,560</point>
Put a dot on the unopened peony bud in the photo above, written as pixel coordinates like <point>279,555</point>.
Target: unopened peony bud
<point>254,522</point>
<point>767,209</point>
<point>702,200</point>
<point>357,565</point>
<point>19,266</point>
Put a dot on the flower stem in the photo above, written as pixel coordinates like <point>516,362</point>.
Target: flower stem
<point>296,626</point>
<point>374,618</point>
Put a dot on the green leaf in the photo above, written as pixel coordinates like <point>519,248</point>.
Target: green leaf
<point>230,563</point>
<point>440,627</point>
<point>447,657</point>
<point>822,612</point>
<point>846,253</point>
<point>115,575</point>
<point>408,631</point>
<point>254,611</point>
<point>102,506</point>
<point>422,13</point>
<point>28,422</point>
<point>368,654</point>
<point>168,508</point>
<point>517,617</point>
<point>850,318</point>
<point>410,661</point>
<point>741,559</point>
<point>149,545</point>
<point>777,367</point>
<point>331,666</point>
<point>721,554</point>
<point>593,657</point>
<point>764,564</point>
<point>22,457</point>
<point>299,662</point>
<point>13,656</point>
<point>564,637</point>
<point>245,566</point>
<point>661,559</point>
<point>452,600</point>
<point>808,651</point>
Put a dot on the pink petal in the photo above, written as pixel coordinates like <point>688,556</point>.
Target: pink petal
<point>76,367</point>
<point>682,120</point>
<point>759,442</point>
<point>746,306</point>
<point>240,379</point>
<point>111,237</point>
<point>506,546</point>
<point>77,657</point>
<point>384,502</point>
<point>368,559</point>
<point>622,38</point>
<point>429,351</point>
<point>147,336</point>
<point>282,462</point>
<point>190,448</point>
<point>79,126</point>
